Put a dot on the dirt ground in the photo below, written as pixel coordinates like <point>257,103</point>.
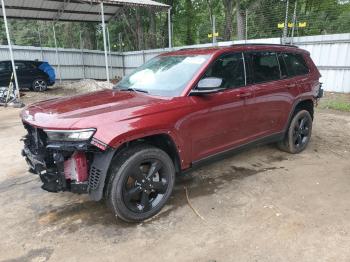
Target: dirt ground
<point>259,205</point>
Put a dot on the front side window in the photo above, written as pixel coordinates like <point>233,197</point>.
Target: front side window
<point>296,64</point>
<point>265,66</point>
<point>164,75</point>
<point>230,68</point>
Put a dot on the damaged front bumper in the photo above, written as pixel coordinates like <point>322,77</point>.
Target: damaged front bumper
<point>77,167</point>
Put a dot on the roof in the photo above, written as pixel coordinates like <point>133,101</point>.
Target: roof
<point>235,47</point>
<point>72,10</point>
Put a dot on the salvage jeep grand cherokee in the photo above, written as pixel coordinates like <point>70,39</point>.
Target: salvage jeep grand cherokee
<point>127,144</point>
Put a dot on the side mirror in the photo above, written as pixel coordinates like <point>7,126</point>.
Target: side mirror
<point>208,85</point>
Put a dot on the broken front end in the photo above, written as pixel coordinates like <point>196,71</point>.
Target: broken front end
<point>67,160</point>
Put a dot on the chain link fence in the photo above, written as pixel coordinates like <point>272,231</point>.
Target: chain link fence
<point>265,19</point>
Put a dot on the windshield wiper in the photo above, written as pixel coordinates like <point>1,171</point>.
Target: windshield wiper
<point>134,90</point>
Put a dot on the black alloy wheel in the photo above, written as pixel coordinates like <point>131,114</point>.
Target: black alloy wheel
<point>298,134</point>
<point>301,131</point>
<point>39,85</point>
<point>145,186</point>
<point>141,181</point>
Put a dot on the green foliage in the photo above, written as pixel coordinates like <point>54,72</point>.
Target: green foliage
<point>337,105</point>
<point>192,23</point>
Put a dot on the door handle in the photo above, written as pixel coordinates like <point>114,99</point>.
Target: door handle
<point>244,95</point>
<point>291,85</point>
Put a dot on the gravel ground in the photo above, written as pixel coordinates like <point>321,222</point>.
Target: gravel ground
<point>259,205</point>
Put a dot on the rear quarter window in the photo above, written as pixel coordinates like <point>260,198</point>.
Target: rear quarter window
<point>296,64</point>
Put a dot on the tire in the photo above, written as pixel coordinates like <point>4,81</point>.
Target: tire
<point>298,134</point>
<point>141,180</point>
<point>39,85</point>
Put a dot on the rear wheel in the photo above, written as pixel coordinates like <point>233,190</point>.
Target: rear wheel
<point>39,85</point>
<point>141,181</point>
<point>298,134</point>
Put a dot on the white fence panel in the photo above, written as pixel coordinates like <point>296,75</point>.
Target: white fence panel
<point>331,54</point>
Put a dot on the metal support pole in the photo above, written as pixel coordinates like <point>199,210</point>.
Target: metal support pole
<point>104,40</point>
<point>123,64</point>
<point>109,50</point>
<point>82,54</point>
<point>246,25</point>
<point>57,56</point>
<point>41,46</point>
<point>10,49</point>
<point>169,28</point>
<point>285,29</point>
<point>120,40</point>
<point>294,20</point>
<point>214,29</point>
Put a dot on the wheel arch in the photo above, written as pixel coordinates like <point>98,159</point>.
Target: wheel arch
<point>306,103</point>
<point>163,141</point>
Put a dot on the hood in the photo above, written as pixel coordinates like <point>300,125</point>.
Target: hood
<point>90,109</point>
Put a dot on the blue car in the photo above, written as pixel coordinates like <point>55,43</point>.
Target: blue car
<point>35,75</point>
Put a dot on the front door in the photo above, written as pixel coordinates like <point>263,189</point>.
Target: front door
<point>218,123</point>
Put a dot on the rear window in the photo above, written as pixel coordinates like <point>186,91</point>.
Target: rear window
<point>296,64</point>
<point>265,66</point>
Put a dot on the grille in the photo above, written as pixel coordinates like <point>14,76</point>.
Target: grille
<point>35,139</point>
<point>94,178</point>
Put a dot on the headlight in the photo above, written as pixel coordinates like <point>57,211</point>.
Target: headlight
<point>70,135</point>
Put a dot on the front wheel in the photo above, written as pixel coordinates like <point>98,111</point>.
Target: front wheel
<point>298,134</point>
<point>141,181</point>
<point>39,85</point>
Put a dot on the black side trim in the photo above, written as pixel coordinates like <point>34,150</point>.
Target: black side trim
<point>213,158</point>
<point>97,174</point>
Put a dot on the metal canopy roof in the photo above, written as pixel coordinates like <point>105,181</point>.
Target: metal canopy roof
<point>72,10</point>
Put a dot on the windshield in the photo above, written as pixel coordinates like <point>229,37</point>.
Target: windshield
<point>164,75</point>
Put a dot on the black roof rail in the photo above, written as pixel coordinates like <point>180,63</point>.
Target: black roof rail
<point>244,44</point>
<point>265,44</point>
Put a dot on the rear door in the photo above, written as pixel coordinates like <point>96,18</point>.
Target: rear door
<point>273,94</point>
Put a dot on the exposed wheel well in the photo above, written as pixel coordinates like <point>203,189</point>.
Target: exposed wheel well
<point>162,141</point>
<point>307,105</point>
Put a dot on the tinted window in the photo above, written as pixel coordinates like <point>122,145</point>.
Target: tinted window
<point>265,66</point>
<point>296,64</point>
<point>230,68</point>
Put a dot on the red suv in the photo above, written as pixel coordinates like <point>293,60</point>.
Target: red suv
<point>181,108</point>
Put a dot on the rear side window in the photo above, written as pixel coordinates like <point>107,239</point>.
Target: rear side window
<point>296,64</point>
<point>230,68</point>
<point>265,66</point>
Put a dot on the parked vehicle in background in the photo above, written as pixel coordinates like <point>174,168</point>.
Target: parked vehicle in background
<point>176,111</point>
<point>35,75</point>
